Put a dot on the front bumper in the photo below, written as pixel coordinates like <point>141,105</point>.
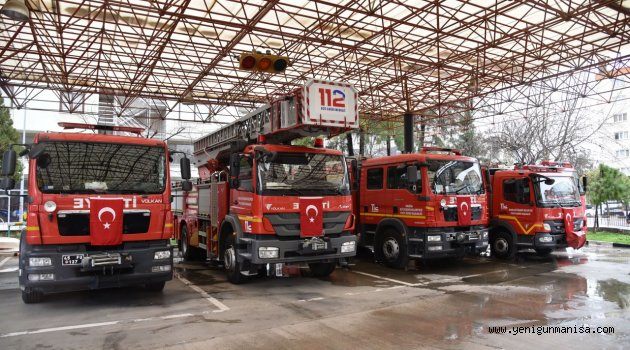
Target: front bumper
<point>135,267</point>
<point>451,244</point>
<point>292,250</point>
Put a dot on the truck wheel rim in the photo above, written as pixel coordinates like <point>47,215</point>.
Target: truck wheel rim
<point>501,245</point>
<point>184,245</point>
<point>391,249</point>
<point>229,258</point>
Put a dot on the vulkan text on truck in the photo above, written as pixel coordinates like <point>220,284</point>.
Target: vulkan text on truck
<point>98,211</point>
<point>262,205</point>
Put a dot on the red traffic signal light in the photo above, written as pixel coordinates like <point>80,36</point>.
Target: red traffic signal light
<point>248,62</point>
<point>263,62</point>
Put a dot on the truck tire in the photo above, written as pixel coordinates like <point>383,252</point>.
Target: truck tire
<point>155,286</point>
<point>393,249</point>
<point>188,252</point>
<point>31,296</point>
<point>503,245</point>
<point>544,252</point>
<point>231,265</point>
<point>322,269</point>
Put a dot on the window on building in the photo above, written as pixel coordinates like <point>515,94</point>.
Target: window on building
<point>622,153</point>
<point>620,117</point>
<point>375,179</point>
<point>621,135</point>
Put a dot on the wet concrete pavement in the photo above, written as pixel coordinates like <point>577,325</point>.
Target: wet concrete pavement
<point>439,305</point>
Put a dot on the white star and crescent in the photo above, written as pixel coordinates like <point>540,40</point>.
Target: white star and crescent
<point>104,210</point>
<point>311,207</point>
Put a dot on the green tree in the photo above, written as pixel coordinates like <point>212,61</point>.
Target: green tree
<point>607,184</point>
<point>8,135</point>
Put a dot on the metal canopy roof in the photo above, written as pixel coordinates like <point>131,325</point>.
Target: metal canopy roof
<point>402,56</point>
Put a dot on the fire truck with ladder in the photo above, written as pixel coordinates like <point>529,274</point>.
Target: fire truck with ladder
<point>540,207</point>
<point>262,205</point>
<point>430,204</point>
<point>99,212</point>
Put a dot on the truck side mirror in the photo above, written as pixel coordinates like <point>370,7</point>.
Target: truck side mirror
<point>186,186</point>
<point>7,183</point>
<point>184,167</point>
<point>412,174</point>
<point>584,182</point>
<point>36,151</point>
<point>9,160</point>
<point>486,174</point>
<point>235,163</point>
<point>354,166</point>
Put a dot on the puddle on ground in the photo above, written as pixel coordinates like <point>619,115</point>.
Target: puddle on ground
<point>612,290</point>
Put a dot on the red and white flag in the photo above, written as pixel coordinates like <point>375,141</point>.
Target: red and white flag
<point>464,211</point>
<point>106,221</point>
<point>574,239</point>
<point>311,217</point>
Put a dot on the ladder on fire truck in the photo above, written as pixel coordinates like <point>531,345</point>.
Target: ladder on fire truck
<point>320,108</point>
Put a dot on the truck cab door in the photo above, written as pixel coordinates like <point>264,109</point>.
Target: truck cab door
<point>242,188</point>
<point>516,205</point>
<point>403,194</point>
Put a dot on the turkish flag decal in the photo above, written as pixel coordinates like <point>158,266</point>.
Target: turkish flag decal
<point>311,217</point>
<point>106,221</point>
<point>464,211</point>
<point>574,239</point>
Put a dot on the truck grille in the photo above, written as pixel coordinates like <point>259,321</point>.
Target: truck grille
<point>78,224</point>
<point>450,213</point>
<point>557,226</point>
<point>288,224</point>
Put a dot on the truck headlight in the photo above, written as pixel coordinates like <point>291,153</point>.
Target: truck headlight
<point>545,239</point>
<point>161,268</point>
<point>484,235</point>
<point>50,206</point>
<point>162,254</point>
<point>39,262</point>
<point>434,238</point>
<point>268,252</point>
<point>546,227</point>
<point>41,277</point>
<point>348,247</point>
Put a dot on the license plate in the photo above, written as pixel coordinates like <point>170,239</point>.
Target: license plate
<point>315,244</point>
<point>319,246</point>
<point>75,259</point>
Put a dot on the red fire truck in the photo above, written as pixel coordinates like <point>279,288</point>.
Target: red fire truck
<point>541,207</point>
<point>423,205</point>
<point>98,211</point>
<point>264,205</point>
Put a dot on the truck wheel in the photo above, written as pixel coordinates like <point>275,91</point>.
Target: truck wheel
<point>187,250</point>
<point>393,249</point>
<point>322,269</point>
<point>544,252</point>
<point>155,286</point>
<point>31,296</point>
<point>231,264</point>
<point>503,246</point>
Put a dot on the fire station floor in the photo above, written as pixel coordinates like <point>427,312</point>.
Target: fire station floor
<point>441,305</point>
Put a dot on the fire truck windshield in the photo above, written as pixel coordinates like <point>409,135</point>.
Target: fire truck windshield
<point>454,177</point>
<point>82,167</point>
<point>562,192</point>
<point>303,174</point>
